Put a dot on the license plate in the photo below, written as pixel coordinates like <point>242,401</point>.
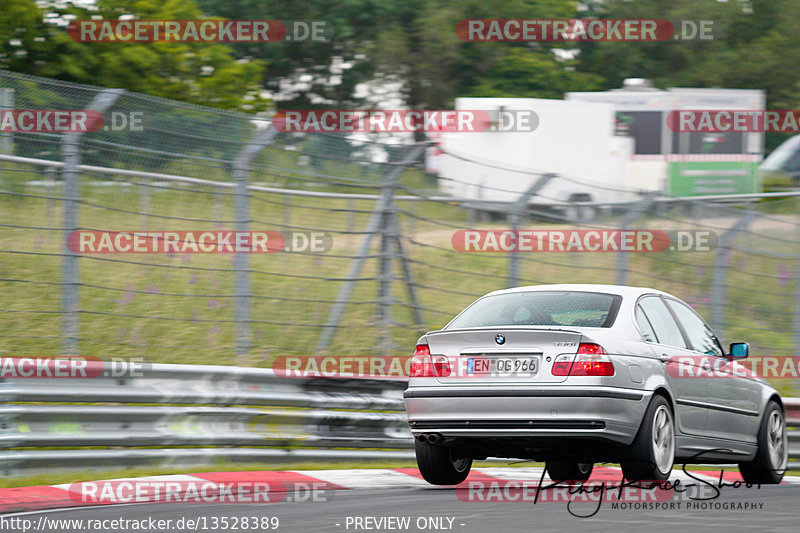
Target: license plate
<point>503,366</point>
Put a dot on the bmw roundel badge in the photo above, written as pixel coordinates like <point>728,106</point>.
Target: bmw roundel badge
<point>500,338</point>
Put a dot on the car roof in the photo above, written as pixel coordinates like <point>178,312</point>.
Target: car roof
<point>622,290</point>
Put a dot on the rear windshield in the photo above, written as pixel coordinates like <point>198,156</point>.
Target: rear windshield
<point>567,308</point>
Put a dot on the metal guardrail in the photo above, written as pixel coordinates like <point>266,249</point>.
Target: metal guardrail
<point>440,198</point>
<point>792,407</point>
<point>177,414</point>
<point>195,413</point>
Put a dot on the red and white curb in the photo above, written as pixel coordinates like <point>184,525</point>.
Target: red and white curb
<point>276,486</point>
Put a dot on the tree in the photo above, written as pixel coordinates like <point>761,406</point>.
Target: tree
<point>532,73</point>
<point>756,46</point>
<point>202,73</point>
<point>410,42</point>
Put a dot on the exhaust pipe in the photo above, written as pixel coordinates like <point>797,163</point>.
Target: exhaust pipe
<point>433,438</point>
<point>423,438</point>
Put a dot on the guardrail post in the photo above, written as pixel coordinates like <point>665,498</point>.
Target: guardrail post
<point>241,260</point>
<point>721,266</point>
<point>377,223</point>
<point>628,218</point>
<point>518,209</point>
<point>70,279</point>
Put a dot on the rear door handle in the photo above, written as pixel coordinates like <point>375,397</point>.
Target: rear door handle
<point>664,358</point>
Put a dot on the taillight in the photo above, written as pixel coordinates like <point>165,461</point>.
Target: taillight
<point>562,364</point>
<point>590,348</point>
<point>421,365</point>
<point>590,360</point>
<point>441,366</point>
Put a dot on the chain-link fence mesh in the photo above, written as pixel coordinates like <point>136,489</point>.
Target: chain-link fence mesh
<point>391,274</point>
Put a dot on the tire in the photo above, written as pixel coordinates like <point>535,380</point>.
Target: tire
<point>770,462</point>
<point>652,452</point>
<point>568,471</point>
<point>438,465</point>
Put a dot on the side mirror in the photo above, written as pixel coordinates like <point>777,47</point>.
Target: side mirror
<point>739,350</point>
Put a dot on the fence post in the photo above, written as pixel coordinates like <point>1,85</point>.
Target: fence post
<point>721,266</point>
<point>144,203</point>
<point>377,223</point>
<point>351,219</point>
<point>628,218</point>
<point>241,260</point>
<point>386,275</point>
<point>70,279</point>
<point>6,137</point>
<point>518,210</point>
<point>412,219</point>
<point>406,271</point>
<point>287,210</point>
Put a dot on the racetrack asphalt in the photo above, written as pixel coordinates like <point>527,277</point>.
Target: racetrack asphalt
<point>416,506</point>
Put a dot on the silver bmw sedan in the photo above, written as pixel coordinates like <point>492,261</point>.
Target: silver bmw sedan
<point>574,375</point>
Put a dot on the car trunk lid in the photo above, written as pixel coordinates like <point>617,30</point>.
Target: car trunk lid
<point>498,355</point>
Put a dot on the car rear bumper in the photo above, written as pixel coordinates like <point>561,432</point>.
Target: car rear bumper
<point>605,413</point>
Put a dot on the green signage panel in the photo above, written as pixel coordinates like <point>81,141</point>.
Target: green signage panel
<point>699,178</point>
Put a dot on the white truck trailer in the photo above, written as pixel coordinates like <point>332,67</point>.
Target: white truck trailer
<point>605,148</point>
<point>574,140</point>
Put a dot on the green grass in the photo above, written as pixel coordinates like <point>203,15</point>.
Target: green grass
<point>183,312</point>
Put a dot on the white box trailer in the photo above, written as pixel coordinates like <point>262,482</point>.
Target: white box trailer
<point>574,140</point>
<point>688,163</point>
<point>606,147</point>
